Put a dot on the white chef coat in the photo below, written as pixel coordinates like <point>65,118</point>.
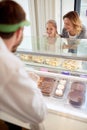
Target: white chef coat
<point>19,95</point>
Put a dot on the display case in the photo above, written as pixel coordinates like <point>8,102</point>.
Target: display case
<point>62,66</point>
<point>59,56</point>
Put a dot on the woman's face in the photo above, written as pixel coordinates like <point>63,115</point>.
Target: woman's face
<point>50,30</point>
<point>68,25</point>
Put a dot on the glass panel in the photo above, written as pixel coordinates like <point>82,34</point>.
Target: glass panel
<point>56,47</point>
<point>61,8</point>
<point>83,12</point>
<point>66,56</point>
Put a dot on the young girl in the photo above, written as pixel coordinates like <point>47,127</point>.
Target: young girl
<point>51,35</point>
<point>51,29</point>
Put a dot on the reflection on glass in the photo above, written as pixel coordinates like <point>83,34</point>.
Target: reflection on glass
<point>82,48</point>
<point>84,65</point>
<point>58,46</point>
<point>52,44</point>
<point>72,45</point>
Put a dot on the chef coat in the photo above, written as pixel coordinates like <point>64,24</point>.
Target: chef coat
<point>19,95</point>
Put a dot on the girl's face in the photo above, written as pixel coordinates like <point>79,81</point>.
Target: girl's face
<point>50,30</point>
<point>68,25</point>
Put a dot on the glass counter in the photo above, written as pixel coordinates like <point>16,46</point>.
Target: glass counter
<point>60,55</point>
<point>64,60</point>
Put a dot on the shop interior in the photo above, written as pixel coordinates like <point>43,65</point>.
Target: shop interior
<point>58,64</point>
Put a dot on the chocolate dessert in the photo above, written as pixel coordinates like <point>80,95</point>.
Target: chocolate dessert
<point>76,95</point>
<point>76,98</point>
<point>80,86</point>
<point>46,85</point>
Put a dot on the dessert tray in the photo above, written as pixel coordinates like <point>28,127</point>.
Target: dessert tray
<point>76,94</point>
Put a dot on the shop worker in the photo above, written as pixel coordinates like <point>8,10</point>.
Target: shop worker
<point>19,95</point>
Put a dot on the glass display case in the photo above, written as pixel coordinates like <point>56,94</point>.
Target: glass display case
<point>59,62</point>
<point>65,56</point>
<point>62,67</point>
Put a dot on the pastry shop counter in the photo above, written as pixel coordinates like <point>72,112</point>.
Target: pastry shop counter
<point>60,104</point>
<point>61,114</point>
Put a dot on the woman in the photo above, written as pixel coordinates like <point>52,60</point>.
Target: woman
<point>73,27</point>
<point>73,30</point>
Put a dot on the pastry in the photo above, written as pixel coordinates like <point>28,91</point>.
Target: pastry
<point>71,64</point>
<point>58,92</point>
<point>53,61</point>
<point>62,81</point>
<point>76,95</point>
<point>46,85</point>
<point>38,59</point>
<point>80,86</point>
<point>76,98</point>
<point>25,57</point>
<point>60,86</point>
